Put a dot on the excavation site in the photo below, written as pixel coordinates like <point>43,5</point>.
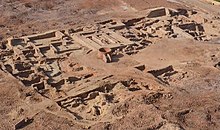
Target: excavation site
<point>110,64</point>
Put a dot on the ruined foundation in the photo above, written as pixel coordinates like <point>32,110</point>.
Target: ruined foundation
<point>43,61</point>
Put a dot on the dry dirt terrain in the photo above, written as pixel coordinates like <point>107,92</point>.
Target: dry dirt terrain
<point>109,65</point>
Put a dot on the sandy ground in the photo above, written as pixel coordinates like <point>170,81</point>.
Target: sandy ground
<point>178,89</point>
<point>32,16</point>
<point>213,2</point>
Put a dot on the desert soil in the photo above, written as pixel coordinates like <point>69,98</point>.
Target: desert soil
<point>169,80</point>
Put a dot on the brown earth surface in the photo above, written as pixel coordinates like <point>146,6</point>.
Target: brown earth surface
<point>22,17</point>
<point>157,69</point>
